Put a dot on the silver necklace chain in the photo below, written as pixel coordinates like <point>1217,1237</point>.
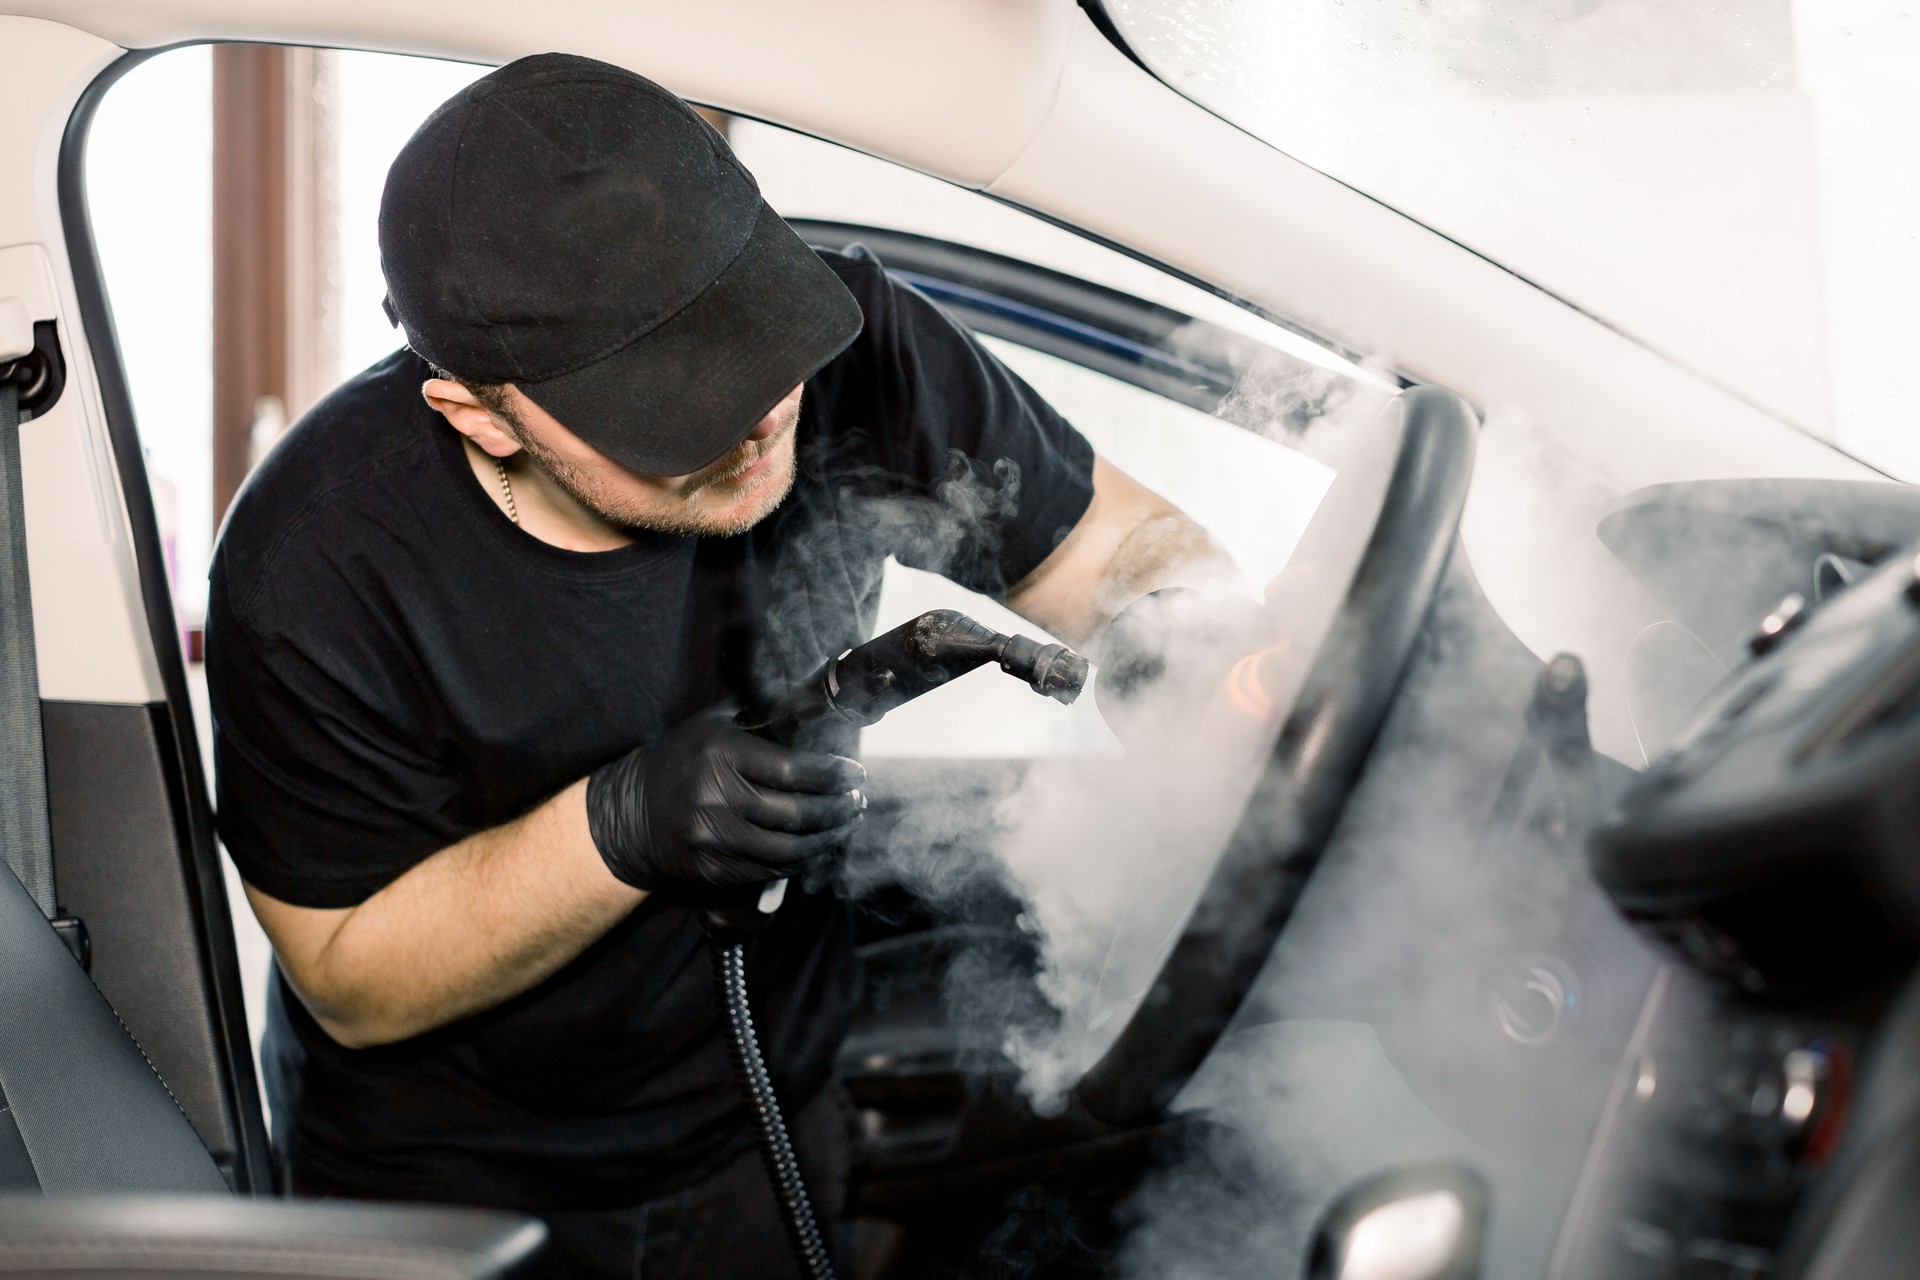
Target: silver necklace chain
<point>506,491</point>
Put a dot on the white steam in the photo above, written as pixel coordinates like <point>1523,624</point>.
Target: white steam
<point>1393,1022</point>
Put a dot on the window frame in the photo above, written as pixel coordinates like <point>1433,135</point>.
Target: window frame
<point>1188,360</point>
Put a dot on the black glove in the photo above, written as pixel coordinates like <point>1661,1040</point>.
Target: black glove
<point>711,806</point>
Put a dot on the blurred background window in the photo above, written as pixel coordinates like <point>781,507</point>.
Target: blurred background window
<point>277,154</point>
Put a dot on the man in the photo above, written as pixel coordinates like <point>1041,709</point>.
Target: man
<point>468,624</point>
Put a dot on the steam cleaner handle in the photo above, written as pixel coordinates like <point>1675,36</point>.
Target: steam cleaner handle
<point>733,917</point>
<point>713,809</point>
<point>863,684</point>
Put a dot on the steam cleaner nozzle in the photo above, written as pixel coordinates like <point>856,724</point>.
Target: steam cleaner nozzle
<point>865,683</point>
<point>888,671</point>
<point>1050,669</point>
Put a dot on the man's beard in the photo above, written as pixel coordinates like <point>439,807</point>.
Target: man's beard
<point>587,490</point>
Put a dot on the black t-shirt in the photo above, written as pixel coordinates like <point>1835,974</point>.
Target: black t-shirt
<point>394,666</point>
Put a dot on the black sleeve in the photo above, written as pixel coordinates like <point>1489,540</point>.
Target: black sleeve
<point>327,789</point>
<point>1012,476</point>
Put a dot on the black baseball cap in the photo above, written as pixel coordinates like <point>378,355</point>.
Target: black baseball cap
<point>578,231</point>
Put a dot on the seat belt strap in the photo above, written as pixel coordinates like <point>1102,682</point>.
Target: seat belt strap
<point>24,834</point>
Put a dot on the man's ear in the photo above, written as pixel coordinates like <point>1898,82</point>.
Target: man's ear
<point>469,417</point>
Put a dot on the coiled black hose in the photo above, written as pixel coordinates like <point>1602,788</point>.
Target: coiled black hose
<point>855,689</point>
<point>776,1148</point>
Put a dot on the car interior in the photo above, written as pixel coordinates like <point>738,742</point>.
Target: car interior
<point>1635,997</point>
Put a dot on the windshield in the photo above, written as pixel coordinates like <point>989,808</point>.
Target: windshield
<point>1731,184</point>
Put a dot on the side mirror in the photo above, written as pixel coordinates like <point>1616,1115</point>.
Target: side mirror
<point>1414,1222</point>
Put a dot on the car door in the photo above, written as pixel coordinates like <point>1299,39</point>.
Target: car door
<point>134,858</point>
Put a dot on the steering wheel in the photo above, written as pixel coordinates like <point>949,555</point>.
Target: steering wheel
<point>1314,765</point>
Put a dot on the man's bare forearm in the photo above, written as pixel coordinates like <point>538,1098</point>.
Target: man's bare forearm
<point>469,927</point>
<point>1129,542</point>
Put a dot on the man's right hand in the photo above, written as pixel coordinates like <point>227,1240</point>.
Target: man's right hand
<point>1165,655</point>
<point>711,806</point>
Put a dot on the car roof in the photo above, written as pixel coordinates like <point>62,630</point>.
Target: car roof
<point>963,85</point>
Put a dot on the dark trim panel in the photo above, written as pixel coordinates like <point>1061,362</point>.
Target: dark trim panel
<point>192,812</point>
<point>111,798</point>
<point>1156,348</point>
<point>1103,22</point>
<point>1187,380</point>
